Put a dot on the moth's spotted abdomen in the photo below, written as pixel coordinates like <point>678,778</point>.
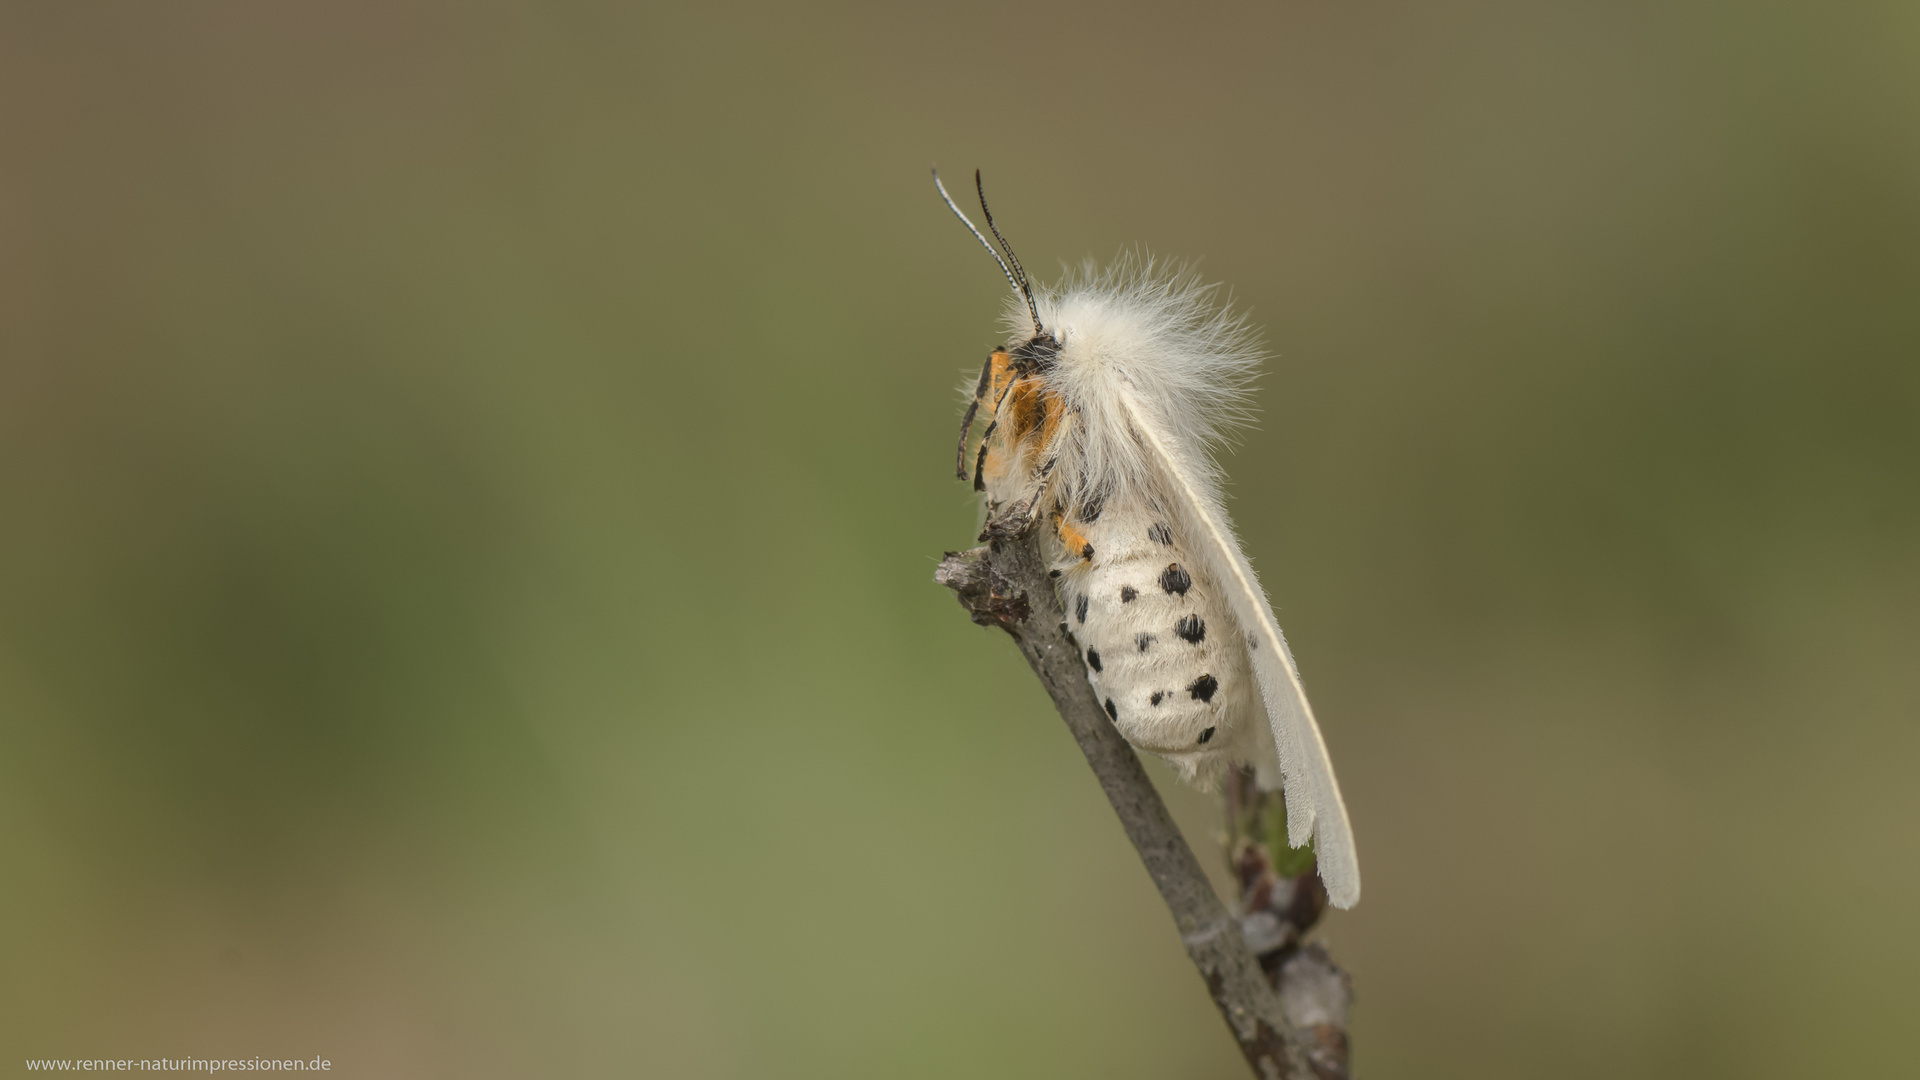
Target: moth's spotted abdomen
<point>1166,660</point>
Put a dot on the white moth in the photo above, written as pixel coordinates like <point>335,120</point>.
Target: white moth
<point>1103,410</point>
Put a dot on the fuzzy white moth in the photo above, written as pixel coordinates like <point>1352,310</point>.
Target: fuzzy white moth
<point>1103,410</point>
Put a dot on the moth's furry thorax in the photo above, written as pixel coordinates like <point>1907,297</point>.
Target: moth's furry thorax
<point>1155,332</point>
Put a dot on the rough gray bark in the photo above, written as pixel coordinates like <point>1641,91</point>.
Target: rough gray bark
<point>1288,1014</point>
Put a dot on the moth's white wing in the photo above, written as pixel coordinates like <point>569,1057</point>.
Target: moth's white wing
<point>1314,806</point>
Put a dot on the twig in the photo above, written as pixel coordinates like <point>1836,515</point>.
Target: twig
<point>1298,1031</point>
<point>1278,905</point>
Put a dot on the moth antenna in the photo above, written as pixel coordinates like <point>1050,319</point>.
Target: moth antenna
<point>1026,289</point>
<point>948,199</point>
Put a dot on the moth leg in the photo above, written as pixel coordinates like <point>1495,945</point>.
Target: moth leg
<point>1071,538</point>
<point>986,437</point>
<point>1018,518</point>
<point>990,372</point>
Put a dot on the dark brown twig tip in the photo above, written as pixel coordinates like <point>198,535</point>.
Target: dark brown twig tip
<point>990,599</point>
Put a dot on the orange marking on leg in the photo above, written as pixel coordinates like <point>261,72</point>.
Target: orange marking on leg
<point>1051,422</point>
<point>1030,407</point>
<point>1002,371</point>
<point>1071,538</point>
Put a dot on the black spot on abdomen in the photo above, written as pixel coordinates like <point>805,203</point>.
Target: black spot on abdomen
<point>1113,714</point>
<point>1203,688</point>
<point>1080,608</point>
<point>1157,695</point>
<point>1175,580</point>
<point>1191,629</point>
<point>1093,659</point>
<point>1127,593</point>
<point>1160,534</point>
<point>1205,735</point>
<point>1143,640</point>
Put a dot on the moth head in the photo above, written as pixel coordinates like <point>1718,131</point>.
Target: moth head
<point>1036,355</point>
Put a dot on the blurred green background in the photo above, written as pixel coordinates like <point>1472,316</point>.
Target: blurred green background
<point>470,477</point>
